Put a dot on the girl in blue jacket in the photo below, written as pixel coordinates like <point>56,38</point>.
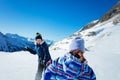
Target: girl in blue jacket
<point>72,66</point>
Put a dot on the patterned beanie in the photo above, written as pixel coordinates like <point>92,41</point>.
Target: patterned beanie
<point>77,44</point>
<point>38,36</point>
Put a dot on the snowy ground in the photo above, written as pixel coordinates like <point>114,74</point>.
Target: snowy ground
<point>20,65</point>
<point>17,66</point>
<point>105,56</point>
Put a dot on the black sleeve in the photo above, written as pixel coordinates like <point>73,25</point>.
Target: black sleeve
<point>31,51</point>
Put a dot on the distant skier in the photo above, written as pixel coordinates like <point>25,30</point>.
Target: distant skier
<point>44,58</point>
<point>72,66</point>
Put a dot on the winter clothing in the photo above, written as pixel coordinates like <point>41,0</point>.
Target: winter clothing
<point>42,51</point>
<point>38,36</point>
<point>41,69</point>
<point>69,68</point>
<point>77,44</point>
<point>43,57</point>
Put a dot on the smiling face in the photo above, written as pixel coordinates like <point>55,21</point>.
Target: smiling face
<point>38,41</point>
<point>79,54</point>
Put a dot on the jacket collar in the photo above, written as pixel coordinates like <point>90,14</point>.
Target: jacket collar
<point>42,42</point>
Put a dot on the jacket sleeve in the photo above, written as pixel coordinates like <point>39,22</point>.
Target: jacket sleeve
<point>50,72</point>
<point>93,76</point>
<point>31,51</point>
<point>49,75</point>
<point>87,73</point>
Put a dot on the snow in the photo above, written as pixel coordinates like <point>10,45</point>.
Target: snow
<point>13,42</point>
<point>21,65</point>
<point>17,66</point>
<point>103,55</point>
<point>95,21</point>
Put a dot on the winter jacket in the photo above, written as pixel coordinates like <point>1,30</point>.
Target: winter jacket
<point>42,51</point>
<point>69,68</point>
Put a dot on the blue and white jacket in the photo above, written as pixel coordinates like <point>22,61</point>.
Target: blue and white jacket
<point>69,68</point>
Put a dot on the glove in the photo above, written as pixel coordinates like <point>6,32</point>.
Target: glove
<point>26,48</point>
<point>49,62</point>
<point>42,62</point>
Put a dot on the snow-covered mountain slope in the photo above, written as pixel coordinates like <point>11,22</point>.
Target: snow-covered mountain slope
<point>102,48</point>
<point>91,35</point>
<point>3,42</point>
<point>102,51</point>
<point>13,42</point>
<point>104,56</point>
<point>112,12</point>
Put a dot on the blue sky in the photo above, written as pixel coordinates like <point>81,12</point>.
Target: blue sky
<point>54,19</point>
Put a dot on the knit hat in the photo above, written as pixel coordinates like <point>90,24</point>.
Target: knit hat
<point>77,44</point>
<point>38,36</point>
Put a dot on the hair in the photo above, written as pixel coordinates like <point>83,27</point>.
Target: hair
<point>75,54</point>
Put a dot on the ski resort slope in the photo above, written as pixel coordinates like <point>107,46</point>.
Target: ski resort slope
<point>104,57</point>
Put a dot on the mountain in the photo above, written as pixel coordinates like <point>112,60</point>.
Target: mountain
<point>103,55</point>
<point>91,35</point>
<point>3,42</point>
<point>102,42</point>
<point>115,10</point>
<point>93,29</point>
<point>13,42</point>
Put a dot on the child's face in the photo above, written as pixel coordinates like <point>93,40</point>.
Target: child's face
<point>38,41</point>
<point>78,53</point>
<point>82,58</point>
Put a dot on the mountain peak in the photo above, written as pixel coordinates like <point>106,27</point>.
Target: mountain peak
<point>113,11</point>
<point>94,31</point>
<point>13,42</point>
